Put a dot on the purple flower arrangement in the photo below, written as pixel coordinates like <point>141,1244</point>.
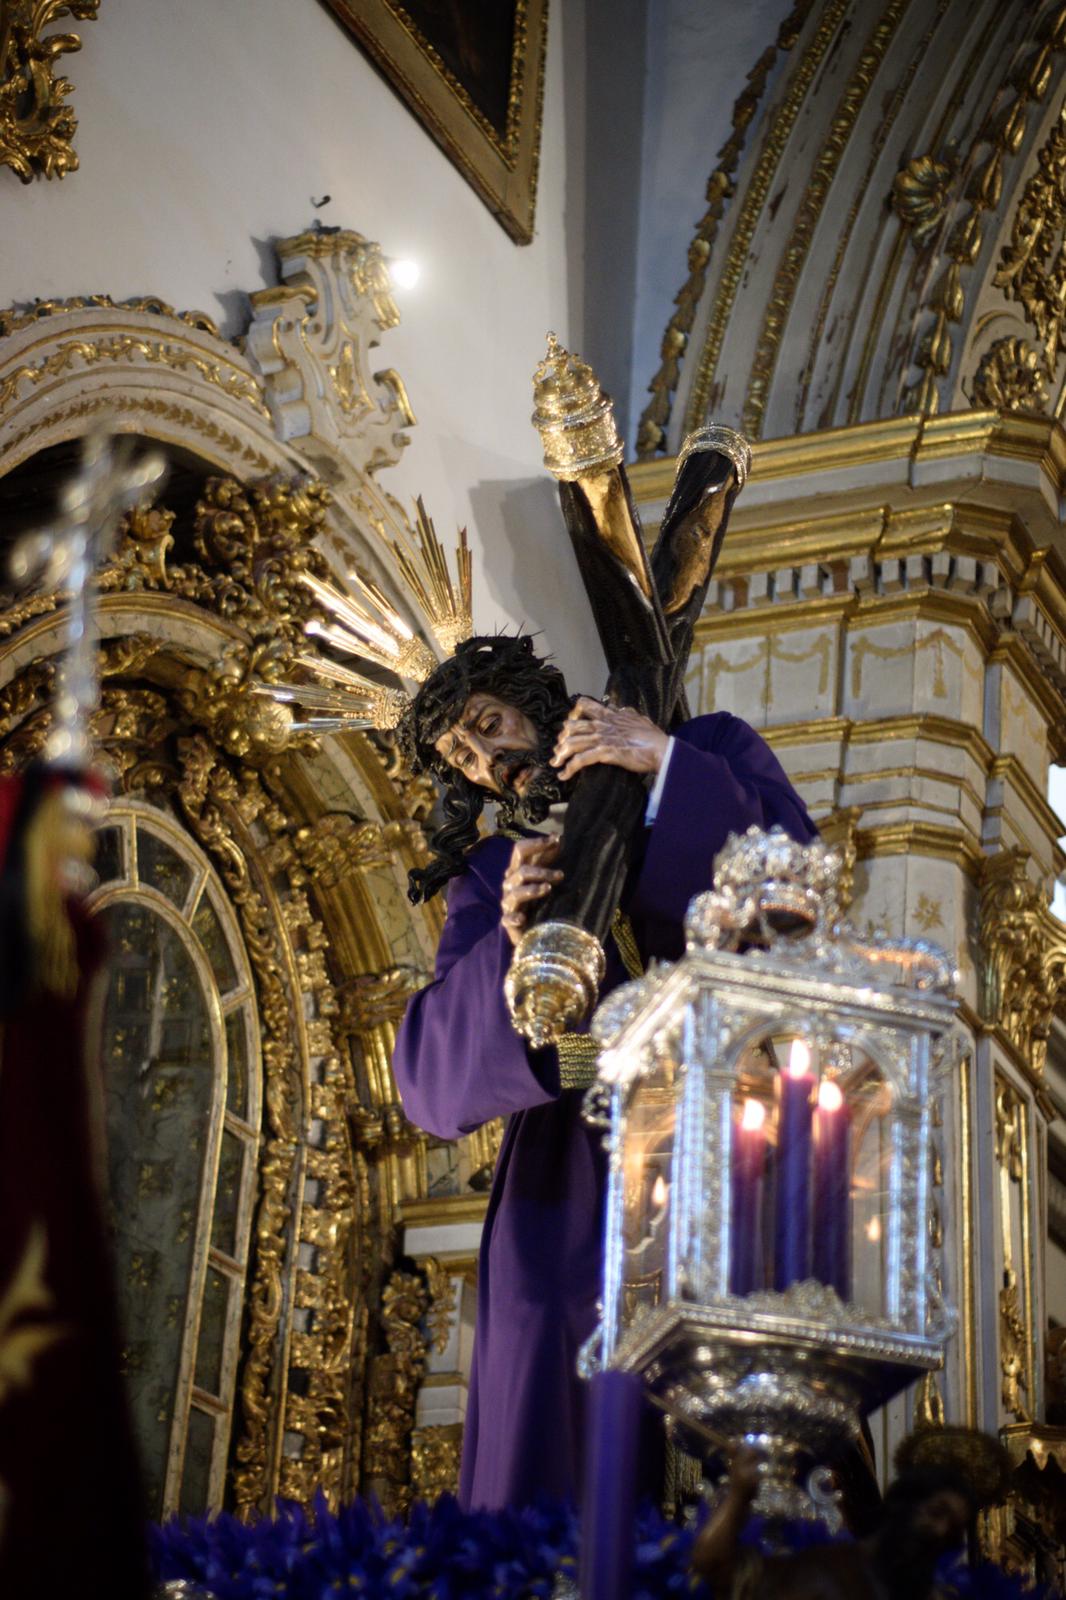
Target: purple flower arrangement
<point>442,1553</point>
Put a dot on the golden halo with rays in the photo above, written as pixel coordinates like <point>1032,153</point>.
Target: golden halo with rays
<point>362,624</point>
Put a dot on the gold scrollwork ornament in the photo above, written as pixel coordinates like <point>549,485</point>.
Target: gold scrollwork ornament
<point>1033,265</point>
<point>37,126</point>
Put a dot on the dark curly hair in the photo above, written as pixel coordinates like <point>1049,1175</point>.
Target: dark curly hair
<point>506,666</point>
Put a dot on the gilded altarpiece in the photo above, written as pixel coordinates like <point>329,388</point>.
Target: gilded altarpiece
<point>251,883</point>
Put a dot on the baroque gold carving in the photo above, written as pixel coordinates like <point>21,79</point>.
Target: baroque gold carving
<point>982,175</point>
<point>37,126</point>
<point>1010,377</point>
<point>375,998</point>
<point>1027,1535</point>
<point>1033,264</point>
<point>442,1304</point>
<point>1023,957</point>
<point>189,420</point>
<point>418,796</point>
<point>169,737</point>
<point>435,1458</point>
<point>1013,1349</point>
<point>224,700</point>
<point>755,197</point>
<point>394,1381</point>
<point>1016,1337</point>
<point>338,844</point>
<point>73,354</point>
<point>14,320</point>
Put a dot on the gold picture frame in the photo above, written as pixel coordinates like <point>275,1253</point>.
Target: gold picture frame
<point>472,71</point>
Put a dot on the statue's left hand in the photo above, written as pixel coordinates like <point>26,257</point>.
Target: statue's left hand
<point>616,736</point>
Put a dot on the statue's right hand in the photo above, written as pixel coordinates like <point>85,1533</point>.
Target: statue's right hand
<point>529,876</point>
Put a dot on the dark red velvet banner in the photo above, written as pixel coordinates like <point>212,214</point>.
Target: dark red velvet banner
<point>71,1519</point>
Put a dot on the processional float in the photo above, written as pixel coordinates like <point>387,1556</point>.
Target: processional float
<point>770,1274</point>
<point>770,1270</point>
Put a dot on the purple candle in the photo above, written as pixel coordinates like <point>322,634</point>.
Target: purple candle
<point>832,1189</point>
<point>749,1154</point>
<point>792,1201</point>
<point>610,1485</point>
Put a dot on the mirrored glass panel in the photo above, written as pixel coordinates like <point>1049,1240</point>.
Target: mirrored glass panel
<point>207,927</point>
<point>160,1071</point>
<point>160,866</point>
<point>108,856</point>
<point>237,1058</point>
<point>196,1475</point>
<point>646,1177</point>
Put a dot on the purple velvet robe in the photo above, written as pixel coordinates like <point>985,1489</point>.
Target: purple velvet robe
<point>459,1062</point>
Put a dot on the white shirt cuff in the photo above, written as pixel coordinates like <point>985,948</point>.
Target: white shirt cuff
<point>651,810</point>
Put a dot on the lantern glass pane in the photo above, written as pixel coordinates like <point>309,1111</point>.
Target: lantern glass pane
<point>646,1178</point>
<point>870,1104</point>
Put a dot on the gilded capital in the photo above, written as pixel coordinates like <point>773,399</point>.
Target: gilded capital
<point>1023,956</point>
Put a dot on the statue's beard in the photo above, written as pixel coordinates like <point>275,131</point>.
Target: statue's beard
<point>543,789</point>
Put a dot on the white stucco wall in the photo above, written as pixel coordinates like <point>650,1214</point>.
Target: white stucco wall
<point>206,128</point>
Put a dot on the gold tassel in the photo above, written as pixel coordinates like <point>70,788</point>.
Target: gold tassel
<point>53,835</point>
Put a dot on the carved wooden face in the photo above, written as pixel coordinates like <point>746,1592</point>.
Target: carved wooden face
<point>493,744</point>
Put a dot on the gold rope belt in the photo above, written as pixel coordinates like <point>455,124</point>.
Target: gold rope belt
<point>578,1052</point>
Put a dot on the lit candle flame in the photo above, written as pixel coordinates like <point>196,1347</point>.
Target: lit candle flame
<point>799,1059</point>
<point>753,1115</point>
<point>873,1230</point>
<point>659,1191</point>
<point>830,1097</point>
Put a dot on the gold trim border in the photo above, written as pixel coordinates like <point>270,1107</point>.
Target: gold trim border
<point>503,174</point>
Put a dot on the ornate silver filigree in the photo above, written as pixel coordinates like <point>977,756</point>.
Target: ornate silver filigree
<point>768,961</point>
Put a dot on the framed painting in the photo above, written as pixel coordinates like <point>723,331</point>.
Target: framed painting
<point>472,71</point>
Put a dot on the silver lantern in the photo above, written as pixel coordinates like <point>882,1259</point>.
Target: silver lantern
<point>768,1100</point>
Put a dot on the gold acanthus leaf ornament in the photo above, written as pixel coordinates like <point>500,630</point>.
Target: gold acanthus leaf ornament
<point>37,126</point>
